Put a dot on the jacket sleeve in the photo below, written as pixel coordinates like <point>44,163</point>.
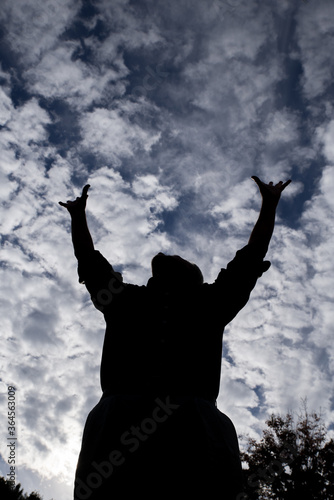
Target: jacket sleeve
<point>236,282</point>
<point>100,279</point>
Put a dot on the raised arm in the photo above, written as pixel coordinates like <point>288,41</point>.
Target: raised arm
<point>81,238</point>
<point>264,226</point>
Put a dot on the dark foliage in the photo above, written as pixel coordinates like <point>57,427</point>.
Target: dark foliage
<point>9,491</point>
<point>292,461</point>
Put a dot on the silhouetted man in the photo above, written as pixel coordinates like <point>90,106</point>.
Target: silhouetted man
<point>156,431</point>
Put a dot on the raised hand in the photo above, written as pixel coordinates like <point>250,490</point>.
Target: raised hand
<point>271,192</point>
<point>79,204</point>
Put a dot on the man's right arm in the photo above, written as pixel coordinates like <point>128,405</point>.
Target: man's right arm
<point>81,237</point>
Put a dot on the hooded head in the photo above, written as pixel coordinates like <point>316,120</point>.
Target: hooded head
<point>172,268</point>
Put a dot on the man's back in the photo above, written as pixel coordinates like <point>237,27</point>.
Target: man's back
<point>165,338</point>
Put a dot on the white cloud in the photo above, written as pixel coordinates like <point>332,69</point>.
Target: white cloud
<point>31,28</point>
<point>58,76</point>
<point>5,107</point>
<point>124,218</point>
<point>108,133</point>
<point>27,124</point>
<point>325,135</point>
<point>281,128</point>
<point>315,31</point>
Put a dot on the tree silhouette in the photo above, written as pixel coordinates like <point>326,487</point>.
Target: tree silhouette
<point>9,491</point>
<point>291,461</point>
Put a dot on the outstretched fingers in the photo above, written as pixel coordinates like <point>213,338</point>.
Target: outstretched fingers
<point>85,191</point>
<point>286,184</point>
<point>79,201</point>
<point>279,185</point>
<point>256,179</point>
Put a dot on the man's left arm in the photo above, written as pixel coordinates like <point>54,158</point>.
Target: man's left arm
<point>237,281</point>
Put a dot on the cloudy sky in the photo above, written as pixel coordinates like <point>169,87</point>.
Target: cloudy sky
<point>166,109</point>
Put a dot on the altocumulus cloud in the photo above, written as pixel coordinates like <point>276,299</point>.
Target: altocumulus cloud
<point>166,111</point>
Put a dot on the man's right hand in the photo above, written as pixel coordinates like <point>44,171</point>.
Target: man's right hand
<point>79,204</point>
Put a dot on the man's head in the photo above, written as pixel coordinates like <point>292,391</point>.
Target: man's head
<point>172,269</point>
